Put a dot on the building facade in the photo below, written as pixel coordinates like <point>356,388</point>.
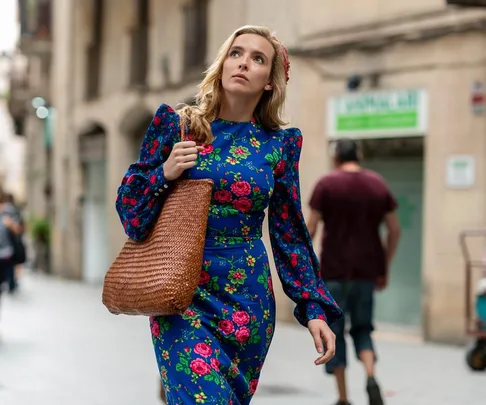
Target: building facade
<point>404,78</point>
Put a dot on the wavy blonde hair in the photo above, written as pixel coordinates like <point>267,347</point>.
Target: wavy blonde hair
<point>269,109</point>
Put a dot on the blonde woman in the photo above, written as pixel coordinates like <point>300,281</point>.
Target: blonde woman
<point>214,352</point>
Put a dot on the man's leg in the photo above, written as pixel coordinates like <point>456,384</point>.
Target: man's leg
<point>360,307</point>
<point>337,365</point>
<point>12,279</point>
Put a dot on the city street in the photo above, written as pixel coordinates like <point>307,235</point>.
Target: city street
<point>59,346</point>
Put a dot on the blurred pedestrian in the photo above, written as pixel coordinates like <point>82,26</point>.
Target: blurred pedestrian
<point>15,270</point>
<point>214,352</point>
<point>9,230</point>
<point>352,203</point>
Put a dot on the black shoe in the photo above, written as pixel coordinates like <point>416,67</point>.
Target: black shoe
<point>374,393</point>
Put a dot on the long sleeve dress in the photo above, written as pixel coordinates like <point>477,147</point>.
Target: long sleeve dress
<point>214,352</point>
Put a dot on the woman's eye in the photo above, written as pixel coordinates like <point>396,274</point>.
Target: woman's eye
<point>258,59</point>
<point>234,53</point>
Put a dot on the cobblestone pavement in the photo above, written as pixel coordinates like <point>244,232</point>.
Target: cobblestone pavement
<point>59,346</point>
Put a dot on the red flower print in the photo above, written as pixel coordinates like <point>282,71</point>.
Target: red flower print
<point>241,318</point>
<point>294,193</point>
<point>203,349</point>
<point>280,168</point>
<point>223,196</point>
<point>253,385</point>
<point>294,259</point>
<point>297,283</point>
<point>157,120</point>
<point>166,150</point>
<point>321,317</point>
<point>135,222</point>
<point>130,179</point>
<point>200,367</point>
<point>227,327</point>
<point>305,295</point>
<point>155,328</point>
<point>287,237</point>
<point>270,283</point>
<point>186,349</point>
<point>205,277</point>
<point>256,189</point>
<point>241,188</point>
<point>299,142</point>
<point>243,334</point>
<point>243,204</point>
<point>190,312</point>
<point>215,363</point>
<point>284,215</point>
<point>153,178</point>
<point>207,150</point>
<point>170,109</point>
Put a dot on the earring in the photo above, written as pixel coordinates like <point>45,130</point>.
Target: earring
<point>268,87</point>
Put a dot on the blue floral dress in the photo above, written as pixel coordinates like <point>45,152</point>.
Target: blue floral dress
<point>214,352</point>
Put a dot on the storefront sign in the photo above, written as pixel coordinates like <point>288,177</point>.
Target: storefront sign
<point>461,172</point>
<point>384,114</point>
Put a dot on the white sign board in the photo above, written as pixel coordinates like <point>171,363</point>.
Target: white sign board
<point>461,172</point>
<point>381,114</point>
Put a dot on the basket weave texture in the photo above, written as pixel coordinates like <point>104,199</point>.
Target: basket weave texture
<point>160,275</point>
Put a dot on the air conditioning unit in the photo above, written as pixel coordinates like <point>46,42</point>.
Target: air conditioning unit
<point>467,3</point>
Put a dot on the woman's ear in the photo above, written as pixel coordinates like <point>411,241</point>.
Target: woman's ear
<point>268,87</point>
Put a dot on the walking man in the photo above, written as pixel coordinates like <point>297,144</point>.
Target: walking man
<point>352,203</point>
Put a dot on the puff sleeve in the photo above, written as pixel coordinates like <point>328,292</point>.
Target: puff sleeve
<point>296,262</point>
<point>140,195</point>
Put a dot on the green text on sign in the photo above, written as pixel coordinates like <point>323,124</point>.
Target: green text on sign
<point>362,122</point>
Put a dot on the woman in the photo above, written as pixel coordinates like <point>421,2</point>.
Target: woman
<point>9,229</point>
<point>214,352</point>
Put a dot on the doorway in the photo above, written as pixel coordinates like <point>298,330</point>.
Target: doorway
<point>94,212</point>
<point>400,162</point>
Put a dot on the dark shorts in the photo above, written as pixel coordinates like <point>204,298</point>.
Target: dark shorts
<point>356,300</point>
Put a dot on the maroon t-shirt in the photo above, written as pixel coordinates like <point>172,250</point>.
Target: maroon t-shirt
<point>352,205</point>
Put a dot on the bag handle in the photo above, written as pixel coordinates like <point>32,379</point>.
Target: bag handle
<point>182,123</point>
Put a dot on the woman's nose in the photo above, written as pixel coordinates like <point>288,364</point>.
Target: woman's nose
<point>244,65</point>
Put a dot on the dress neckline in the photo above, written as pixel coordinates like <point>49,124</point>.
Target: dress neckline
<point>222,120</point>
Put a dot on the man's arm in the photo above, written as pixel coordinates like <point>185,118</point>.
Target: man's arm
<point>393,235</point>
<point>313,222</point>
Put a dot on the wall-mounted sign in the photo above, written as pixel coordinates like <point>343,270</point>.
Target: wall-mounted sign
<point>478,98</point>
<point>461,171</point>
<point>383,114</point>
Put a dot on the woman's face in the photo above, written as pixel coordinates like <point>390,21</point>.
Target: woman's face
<point>248,65</point>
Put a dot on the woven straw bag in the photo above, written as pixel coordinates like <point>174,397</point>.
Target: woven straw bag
<point>160,275</point>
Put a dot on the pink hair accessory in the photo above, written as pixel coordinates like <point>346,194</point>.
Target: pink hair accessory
<point>285,59</point>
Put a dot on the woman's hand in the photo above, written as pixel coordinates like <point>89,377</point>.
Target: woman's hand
<point>183,156</point>
<point>11,224</point>
<point>324,339</point>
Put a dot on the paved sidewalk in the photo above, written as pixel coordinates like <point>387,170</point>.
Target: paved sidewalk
<point>59,346</point>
